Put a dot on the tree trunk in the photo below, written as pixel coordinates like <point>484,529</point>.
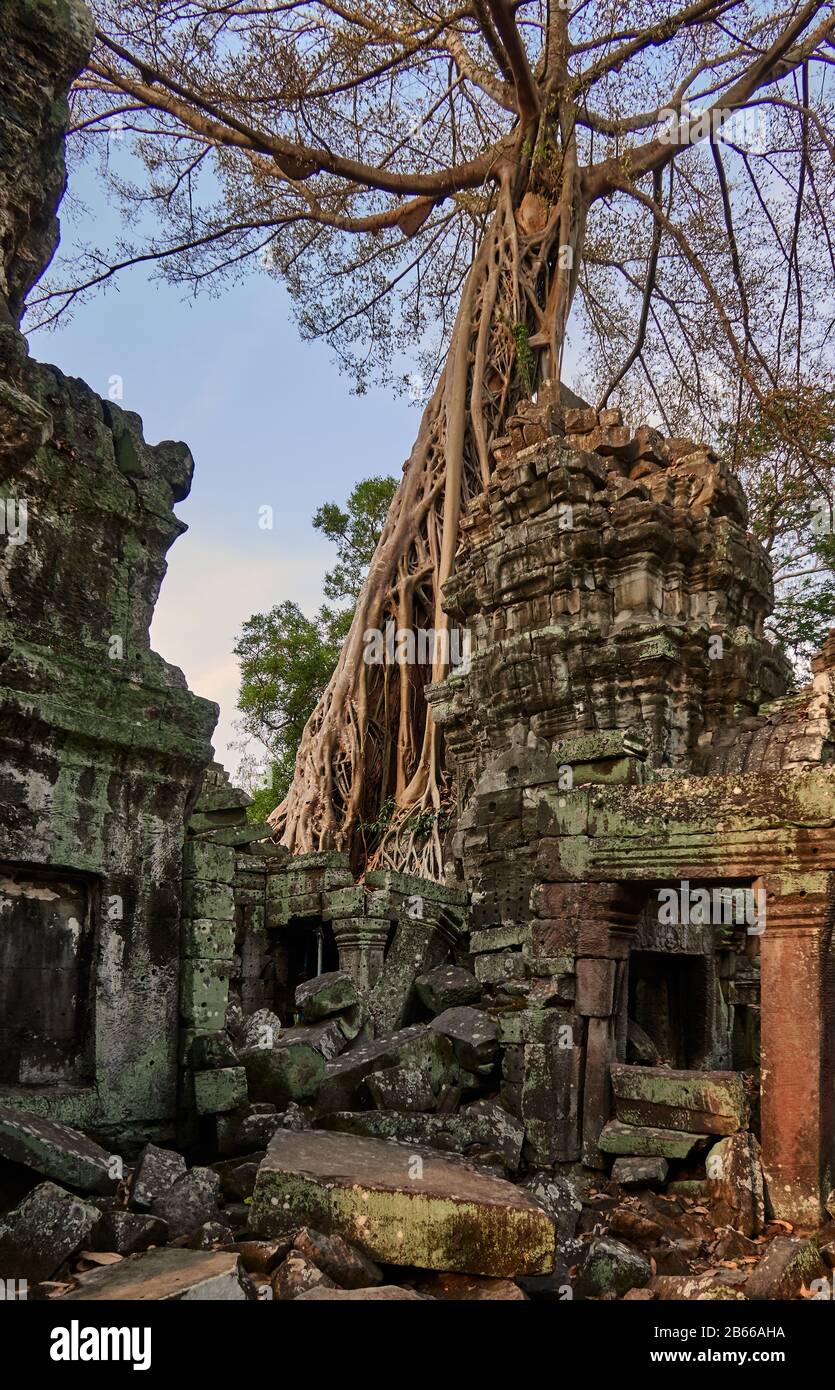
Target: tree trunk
<point>369,772</point>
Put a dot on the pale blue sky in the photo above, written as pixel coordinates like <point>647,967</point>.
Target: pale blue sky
<point>269,420</point>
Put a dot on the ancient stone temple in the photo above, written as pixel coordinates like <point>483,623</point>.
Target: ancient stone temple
<point>624,983</point>
<point>645,827</point>
<point>102,746</point>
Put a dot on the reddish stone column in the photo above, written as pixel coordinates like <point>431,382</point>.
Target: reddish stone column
<point>602,918</point>
<point>796,1065</point>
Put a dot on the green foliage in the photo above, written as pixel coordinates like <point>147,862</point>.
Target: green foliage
<point>525,359</point>
<point>287,658</point>
<point>785,454</point>
<point>355,532</point>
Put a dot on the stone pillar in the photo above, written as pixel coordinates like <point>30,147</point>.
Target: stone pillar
<point>797,1022</point>
<point>361,942</point>
<point>606,917</point>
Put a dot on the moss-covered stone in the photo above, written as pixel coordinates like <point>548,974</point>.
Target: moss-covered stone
<point>399,1206</point>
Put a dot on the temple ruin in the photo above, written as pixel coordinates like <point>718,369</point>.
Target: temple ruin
<point>626,980</point>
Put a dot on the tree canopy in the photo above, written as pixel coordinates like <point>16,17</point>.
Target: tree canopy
<point>287,659</point>
<point>447,190</point>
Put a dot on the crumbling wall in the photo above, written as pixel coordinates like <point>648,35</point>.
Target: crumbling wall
<point>102,746</point>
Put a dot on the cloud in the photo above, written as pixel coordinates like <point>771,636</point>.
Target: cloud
<point>208,593</point>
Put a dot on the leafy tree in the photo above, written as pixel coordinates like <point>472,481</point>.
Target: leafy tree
<point>356,534</point>
<point>792,508</point>
<point>287,659</point>
<point>451,185</point>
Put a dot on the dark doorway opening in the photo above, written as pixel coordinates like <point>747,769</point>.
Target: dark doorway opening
<point>668,999</point>
<point>306,947</point>
<point>46,951</point>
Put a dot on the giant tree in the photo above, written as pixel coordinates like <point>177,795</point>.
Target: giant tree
<point>461,182</point>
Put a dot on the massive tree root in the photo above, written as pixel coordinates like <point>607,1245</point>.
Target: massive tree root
<point>369,771</point>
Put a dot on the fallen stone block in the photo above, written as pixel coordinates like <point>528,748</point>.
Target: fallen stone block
<point>128,1232</point>
<point>347,1267</point>
<point>640,1172</point>
<point>560,1197</point>
<point>56,1151</point>
<point>326,995</point>
<point>219,1090</point>
<point>473,1034</point>
<point>283,1073</point>
<point>632,1225</point>
<point>399,1206</point>
<point>402,1088</point>
<point>344,1085</point>
<point>472,1288</point>
<point>697,1288</point>
<point>261,1256</point>
<point>165,1275</point>
<point>297,1275</point>
<point>386,1293</point>
<point>248,1129</point>
<point>710,1102</point>
<point>191,1202</point>
<point>608,1266</point>
<point>446,987</point>
<point>237,1177</point>
<point>643,1141</point>
<point>483,1126</point>
<point>261,1029</point>
<point>156,1171</point>
<point>736,1191</point>
<point>209,1236</point>
<point>326,1037</point>
<point>788,1264</point>
<point>212,1051</point>
<point>39,1234</point>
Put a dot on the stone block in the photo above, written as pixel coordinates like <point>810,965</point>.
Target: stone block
<point>193,1276</point>
<point>211,1051</point>
<point>401,1088</point>
<point>283,1073</point>
<point>208,861</point>
<point>736,1191</point>
<point>189,1202</point>
<point>640,1172</point>
<point>39,1234</point>
<point>446,987</point>
<point>205,938</point>
<point>697,1101</point>
<point>473,1035</point>
<point>156,1171</point>
<point>219,1090</point>
<point>202,899</point>
<point>789,1264</point>
<point>609,1267</point>
<point>128,1232</point>
<point>347,1267</point>
<point>550,1099</point>
<point>481,1130</point>
<point>453,1218</point>
<point>204,989</point>
<point>56,1151</point>
<point>344,1085</point>
<point>595,987</point>
<point>325,995</point>
<point>638,1142</point>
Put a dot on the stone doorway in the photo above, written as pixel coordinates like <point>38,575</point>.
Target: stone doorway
<point>302,949</point>
<point>46,950</point>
